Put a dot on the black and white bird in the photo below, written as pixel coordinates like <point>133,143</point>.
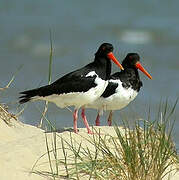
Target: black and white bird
<point>79,87</point>
<point>122,88</point>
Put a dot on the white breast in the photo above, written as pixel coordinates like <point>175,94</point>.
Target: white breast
<point>119,100</point>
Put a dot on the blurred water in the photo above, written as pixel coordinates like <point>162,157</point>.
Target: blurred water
<point>150,28</point>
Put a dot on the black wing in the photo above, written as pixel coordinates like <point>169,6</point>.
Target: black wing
<point>110,89</point>
<point>73,82</point>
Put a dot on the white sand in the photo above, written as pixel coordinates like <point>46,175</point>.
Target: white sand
<point>21,145</point>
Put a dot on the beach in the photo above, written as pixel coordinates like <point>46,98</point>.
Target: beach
<point>23,149</point>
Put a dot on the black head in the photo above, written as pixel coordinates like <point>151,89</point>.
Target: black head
<point>105,52</point>
<point>132,61</point>
<point>104,49</point>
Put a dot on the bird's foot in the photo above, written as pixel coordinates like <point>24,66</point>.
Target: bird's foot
<point>97,120</point>
<point>76,131</point>
<point>110,118</point>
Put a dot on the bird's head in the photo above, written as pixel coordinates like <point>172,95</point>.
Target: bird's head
<point>132,61</point>
<point>106,51</point>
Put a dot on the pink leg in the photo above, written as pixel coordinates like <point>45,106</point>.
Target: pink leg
<point>75,118</point>
<point>98,120</point>
<point>85,121</point>
<point>110,118</point>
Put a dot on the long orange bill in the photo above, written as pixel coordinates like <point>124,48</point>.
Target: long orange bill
<point>139,66</point>
<point>112,57</point>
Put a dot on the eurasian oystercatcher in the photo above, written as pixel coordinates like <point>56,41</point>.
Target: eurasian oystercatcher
<point>122,88</point>
<point>79,87</point>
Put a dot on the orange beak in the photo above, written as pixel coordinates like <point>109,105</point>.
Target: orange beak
<point>139,66</point>
<point>113,58</point>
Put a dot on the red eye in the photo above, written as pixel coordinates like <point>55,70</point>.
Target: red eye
<point>103,48</point>
<point>130,57</point>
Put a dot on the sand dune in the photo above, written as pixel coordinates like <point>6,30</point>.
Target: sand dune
<point>21,145</point>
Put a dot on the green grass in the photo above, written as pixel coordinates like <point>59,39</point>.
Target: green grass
<point>12,79</point>
<point>144,152</point>
<point>49,78</point>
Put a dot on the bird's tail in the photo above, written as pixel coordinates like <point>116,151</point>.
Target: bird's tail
<point>34,94</point>
<point>28,95</point>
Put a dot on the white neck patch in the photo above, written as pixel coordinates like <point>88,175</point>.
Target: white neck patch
<point>92,73</point>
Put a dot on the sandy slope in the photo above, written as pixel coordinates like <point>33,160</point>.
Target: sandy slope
<point>21,145</point>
